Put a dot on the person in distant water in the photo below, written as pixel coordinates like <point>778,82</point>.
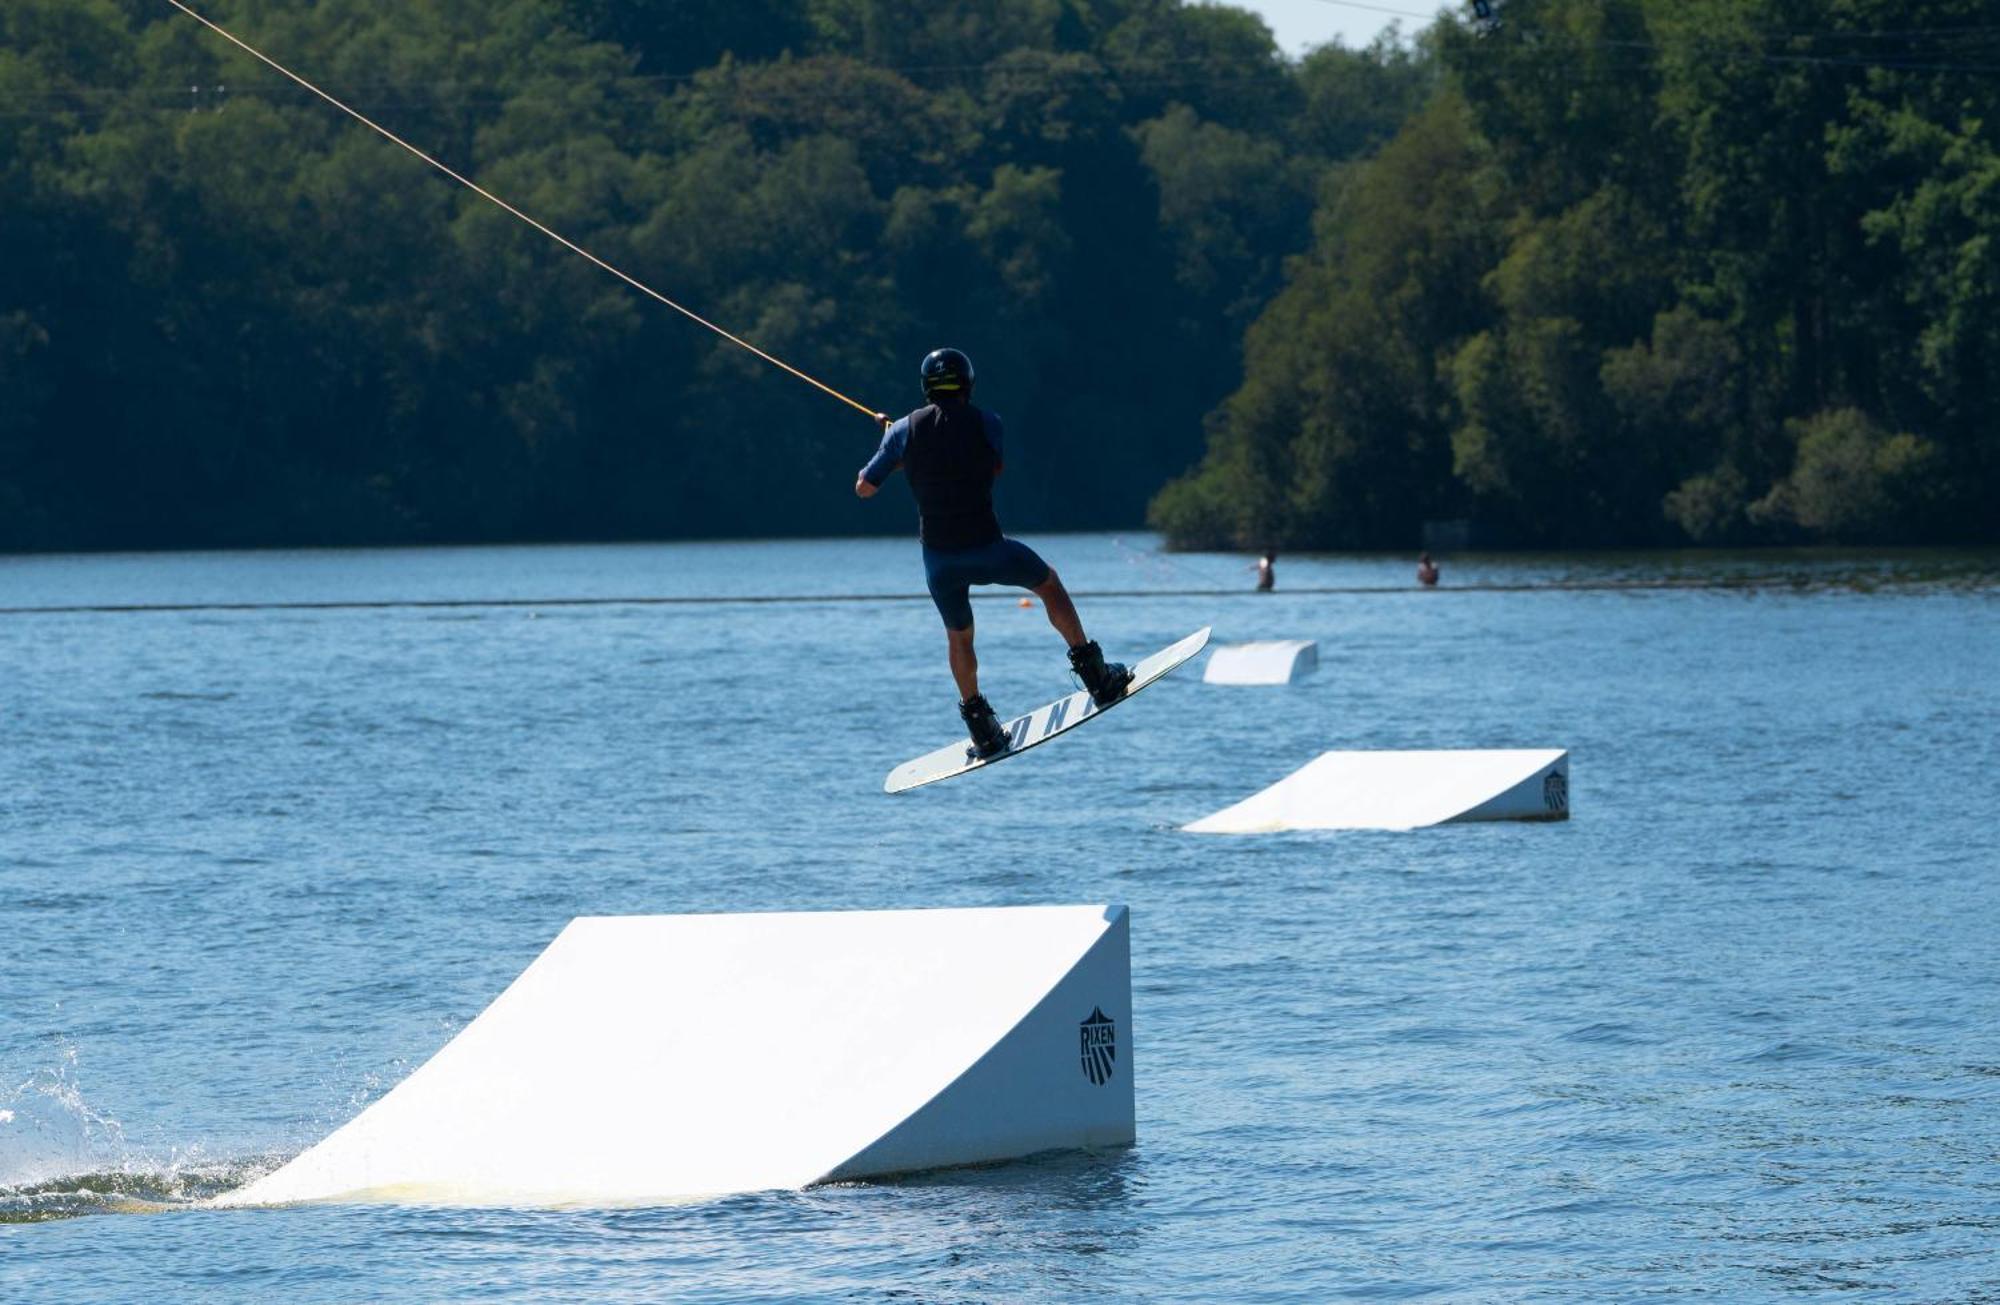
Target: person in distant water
<point>1427,572</point>
<point>1267,574</point>
<point>951,452</point>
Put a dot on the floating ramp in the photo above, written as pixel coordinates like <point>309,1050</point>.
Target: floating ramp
<point>1276,661</point>
<point>1403,790</point>
<point>649,1059</point>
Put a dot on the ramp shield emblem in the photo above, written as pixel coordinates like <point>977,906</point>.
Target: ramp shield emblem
<point>1555,791</point>
<point>1100,1046</point>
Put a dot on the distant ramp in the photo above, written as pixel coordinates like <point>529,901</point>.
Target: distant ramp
<point>1403,790</point>
<point>645,1059</point>
<point>1274,661</point>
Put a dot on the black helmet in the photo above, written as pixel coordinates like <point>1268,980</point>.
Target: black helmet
<point>947,373</point>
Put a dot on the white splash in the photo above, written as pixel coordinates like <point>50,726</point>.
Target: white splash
<point>51,1131</point>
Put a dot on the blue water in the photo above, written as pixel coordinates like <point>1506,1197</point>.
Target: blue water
<point>1732,1032</point>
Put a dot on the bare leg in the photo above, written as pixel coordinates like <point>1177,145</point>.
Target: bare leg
<point>964,663</point>
<point>1062,612</point>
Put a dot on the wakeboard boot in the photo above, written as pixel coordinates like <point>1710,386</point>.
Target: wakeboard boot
<point>989,739</point>
<point>1104,681</point>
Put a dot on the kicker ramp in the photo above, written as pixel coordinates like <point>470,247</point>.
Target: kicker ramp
<point>1278,661</point>
<point>643,1059</point>
<point>1403,790</point>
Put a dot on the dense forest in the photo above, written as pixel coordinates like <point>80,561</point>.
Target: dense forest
<point>1643,271</point>
<point>1600,271</point>
<point>232,316</point>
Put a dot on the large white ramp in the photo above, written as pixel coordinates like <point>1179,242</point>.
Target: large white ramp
<point>1403,790</point>
<point>1274,661</point>
<point>645,1059</point>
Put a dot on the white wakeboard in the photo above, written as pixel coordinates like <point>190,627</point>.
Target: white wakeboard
<point>1039,725</point>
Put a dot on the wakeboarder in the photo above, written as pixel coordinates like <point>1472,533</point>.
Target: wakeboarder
<point>951,452</point>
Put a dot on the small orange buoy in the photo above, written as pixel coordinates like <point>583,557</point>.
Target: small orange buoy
<point>1027,602</point>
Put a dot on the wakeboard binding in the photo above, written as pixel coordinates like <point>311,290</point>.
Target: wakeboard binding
<point>988,738</point>
<point>1104,681</point>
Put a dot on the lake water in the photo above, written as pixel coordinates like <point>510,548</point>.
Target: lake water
<point>1733,1031</point>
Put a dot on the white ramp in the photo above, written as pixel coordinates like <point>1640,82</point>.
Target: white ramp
<point>645,1059</point>
<point>1276,661</point>
<point>1403,790</point>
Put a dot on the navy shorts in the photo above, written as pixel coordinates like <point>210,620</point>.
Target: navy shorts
<point>1002,562</point>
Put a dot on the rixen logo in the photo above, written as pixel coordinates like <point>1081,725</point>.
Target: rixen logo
<point>1100,1046</point>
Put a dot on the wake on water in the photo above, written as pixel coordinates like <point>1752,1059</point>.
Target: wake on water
<point>59,1158</point>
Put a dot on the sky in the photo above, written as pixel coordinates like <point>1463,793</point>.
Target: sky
<point>1302,24</point>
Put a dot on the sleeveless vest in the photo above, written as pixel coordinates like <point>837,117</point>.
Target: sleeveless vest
<point>951,465</point>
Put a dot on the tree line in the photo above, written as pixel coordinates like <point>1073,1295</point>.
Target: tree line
<point>230,316</point>
<point>1642,272</point>
<point>1598,272</point>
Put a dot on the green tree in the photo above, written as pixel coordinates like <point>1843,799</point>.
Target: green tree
<point>1852,481</point>
<point>1344,352</point>
<point>1714,253</point>
<point>677,37</point>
